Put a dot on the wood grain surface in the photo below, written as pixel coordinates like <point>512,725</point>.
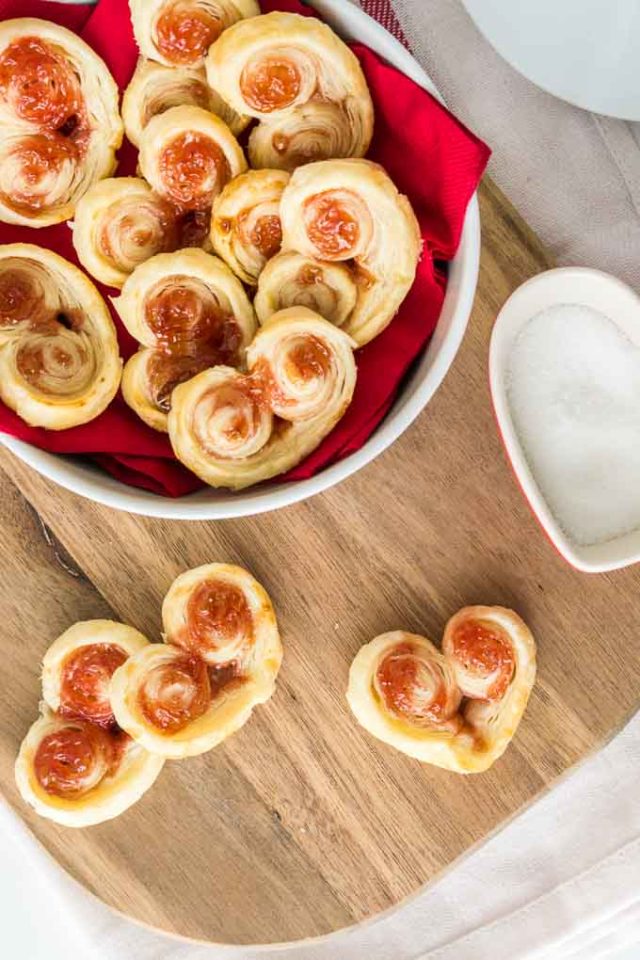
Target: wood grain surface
<point>302,823</point>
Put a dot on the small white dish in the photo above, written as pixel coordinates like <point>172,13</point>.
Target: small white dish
<point>82,477</point>
<point>571,285</point>
<point>585,51</point>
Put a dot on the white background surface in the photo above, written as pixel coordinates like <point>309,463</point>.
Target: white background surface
<point>563,881</point>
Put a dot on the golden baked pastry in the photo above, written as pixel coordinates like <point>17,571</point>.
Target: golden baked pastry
<point>292,279</point>
<point>234,429</point>
<point>59,359</point>
<point>59,121</point>
<point>457,709</point>
<point>120,223</point>
<point>245,225</point>
<point>188,155</point>
<point>221,659</point>
<point>154,88</point>
<point>179,32</point>
<point>75,766</point>
<point>349,210</point>
<point>189,312</point>
<point>303,84</point>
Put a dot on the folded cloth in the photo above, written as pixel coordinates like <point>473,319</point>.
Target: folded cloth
<point>431,157</point>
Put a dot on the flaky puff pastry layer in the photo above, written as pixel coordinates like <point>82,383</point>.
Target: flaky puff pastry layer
<point>350,211</point>
<point>495,698</point>
<point>74,766</point>
<point>407,693</point>
<point>188,155</point>
<point>188,312</point>
<point>221,659</point>
<point>119,223</point>
<point>291,279</point>
<point>155,88</point>
<point>301,81</point>
<point>59,359</point>
<point>63,685</point>
<point>179,32</point>
<point>59,121</point>
<point>245,226</point>
<point>233,429</point>
<point>114,791</point>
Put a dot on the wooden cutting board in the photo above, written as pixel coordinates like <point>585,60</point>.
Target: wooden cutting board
<point>301,823</point>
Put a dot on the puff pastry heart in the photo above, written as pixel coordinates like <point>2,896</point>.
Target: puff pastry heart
<point>245,226</point>
<point>59,121</point>
<point>221,659</point>
<point>59,359</point>
<point>349,210</point>
<point>234,429</point>
<point>301,81</point>
<point>154,88</point>
<point>189,312</point>
<point>179,32</point>
<point>457,709</point>
<point>74,765</point>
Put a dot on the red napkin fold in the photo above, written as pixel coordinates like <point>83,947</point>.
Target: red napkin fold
<point>430,156</point>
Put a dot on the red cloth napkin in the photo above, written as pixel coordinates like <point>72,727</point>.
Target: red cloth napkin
<point>430,156</point>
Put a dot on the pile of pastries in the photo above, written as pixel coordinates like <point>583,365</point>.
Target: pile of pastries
<point>115,707</point>
<point>249,272</point>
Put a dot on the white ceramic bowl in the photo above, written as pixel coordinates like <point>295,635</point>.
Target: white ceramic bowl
<point>87,480</point>
<point>575,285</point>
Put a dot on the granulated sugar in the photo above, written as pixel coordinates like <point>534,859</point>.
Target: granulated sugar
<point>574,391</point>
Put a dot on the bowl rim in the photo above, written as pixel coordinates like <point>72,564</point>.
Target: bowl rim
<point>545,289</point>
<point>88,481</point>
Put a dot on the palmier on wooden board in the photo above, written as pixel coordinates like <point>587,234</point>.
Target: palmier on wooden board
<point>457,709</point>
<point>74,765</point>
<point>220,659</point>
<point>59,121</point>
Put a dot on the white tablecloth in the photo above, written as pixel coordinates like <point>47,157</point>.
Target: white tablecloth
<point>562,881</point>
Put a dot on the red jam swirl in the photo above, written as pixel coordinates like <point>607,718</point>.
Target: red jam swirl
<point>175,694</point>
<point>184,31</point>
<point>309,359</point>
<point>84,683</point>
<point>38,158</point>
<point>270,83</point>
<point>413,688</point>
<point>266,235</point>
<point>21,297</point>
<point>75,759</point>
<point>42,87</point>
<point>484,649</point>
<point>330,225</point>
<point>183,311</point>
<point>193,169</point>
<point>217,614</point>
